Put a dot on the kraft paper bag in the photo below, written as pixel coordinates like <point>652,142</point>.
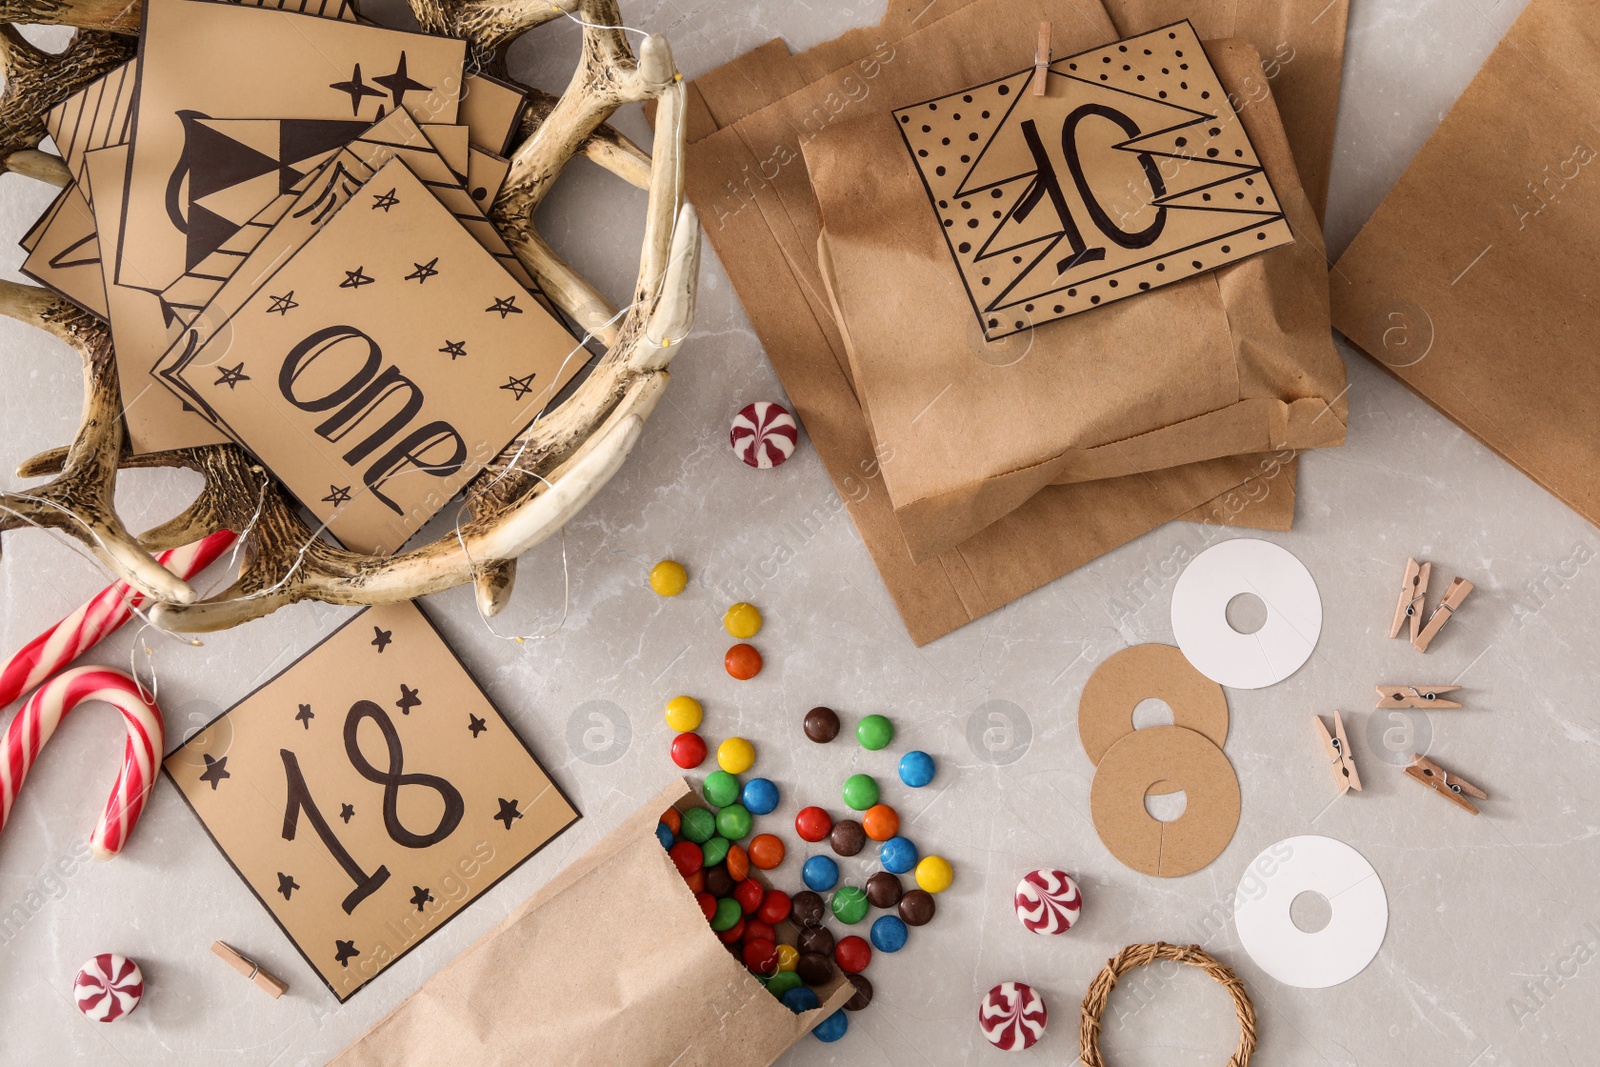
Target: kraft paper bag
<point>1235,361</point>
<point>736,138</point>
<point>1474,282</point>
<point>592,970</point>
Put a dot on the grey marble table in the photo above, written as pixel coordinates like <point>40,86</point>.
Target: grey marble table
<point>1494,921</point>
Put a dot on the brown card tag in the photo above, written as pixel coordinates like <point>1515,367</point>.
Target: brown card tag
<point>1132,172</point>
<point>97,116</point>
<point>492,110</point>
<point>382,366</point>
<point>215,60</point>
<point>66,255</point>
<point>368,793</point>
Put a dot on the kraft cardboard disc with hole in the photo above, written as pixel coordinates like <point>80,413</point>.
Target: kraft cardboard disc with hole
<point>1146,672</point>
<point>1200,613</point>
<point>1185,760</point>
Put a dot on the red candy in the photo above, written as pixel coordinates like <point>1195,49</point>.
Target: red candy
<point>743,662</point>
<point>708,904</point>
<point>813,824</point>
<point>737,863</point>
<point>766,851</point>
<point>852,954</point>
<point>761,955</point>
<point>688,751</point>
<point>749,895</point>
<point>774,907</point>
<point>756,930</point>
<point>732,933</point>
<point>686,856</point>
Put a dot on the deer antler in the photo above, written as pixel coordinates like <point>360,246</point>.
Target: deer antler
<point>532,489</point>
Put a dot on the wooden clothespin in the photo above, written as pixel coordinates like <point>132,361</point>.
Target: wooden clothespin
<point>273,987</point>
<point>1412,592</point>
<point>1041,60</point>
<point>1337,746</point>
<point>1453,596</point>
<point>1415,696</point>
<point>1444,783</point>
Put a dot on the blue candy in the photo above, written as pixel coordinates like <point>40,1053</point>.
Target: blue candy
<point>897,855</point>
<point>664,835</point>
<point>832,1028</point>
<point>916,769</point>
<point>760,796</point>
<point>801,1000</point>
<point>821,874</point>
<point>889,934</point>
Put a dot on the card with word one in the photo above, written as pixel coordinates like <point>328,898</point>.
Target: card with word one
<point>1131,172</point>
<point>368,793</point>
<point>379,368</point>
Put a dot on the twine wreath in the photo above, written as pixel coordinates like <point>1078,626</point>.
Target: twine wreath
<point>1094,1001</point>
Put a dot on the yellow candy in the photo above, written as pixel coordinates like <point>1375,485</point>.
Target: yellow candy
<point>934,874</point>
<point>736,755</point>
<point>668,577</point>
<point>788,957</point>
<point>684,714</point>
<point>742,621</point>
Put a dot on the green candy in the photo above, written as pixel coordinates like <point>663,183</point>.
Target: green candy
<point>782,982</point>
<point>860,791</point>
<point>849,905</point>
<point>698,825</point>
<point>733,822</point>
<point>875,732</point>
<point>727,914</point>
<point>721,788</point>
<point>715,850</point>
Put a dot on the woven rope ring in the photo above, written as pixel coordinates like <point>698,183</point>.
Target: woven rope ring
<point>1094,1001</point>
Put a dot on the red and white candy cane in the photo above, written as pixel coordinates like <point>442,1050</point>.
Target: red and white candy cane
<point>140,758</point>
<point>113,606</point>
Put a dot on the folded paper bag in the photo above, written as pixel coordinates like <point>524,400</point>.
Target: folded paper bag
<point>648,985</point>
<point>1236,361</point>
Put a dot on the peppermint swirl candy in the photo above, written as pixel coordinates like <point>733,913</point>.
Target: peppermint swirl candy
<point>763,434</point>
<point>109,987</point>
<point>1012,1016</point>
<point>1048,901</point>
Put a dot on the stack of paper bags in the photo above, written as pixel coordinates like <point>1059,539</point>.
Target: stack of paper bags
<point>281,214</point>
<point>997,457</point>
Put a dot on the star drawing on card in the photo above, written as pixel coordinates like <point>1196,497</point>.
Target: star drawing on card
<point>520,387</point>
<point>476,725</point>
<point>454,349</point>
<point>381,638</point>
<point>282,305</point>
<point>344,952</point>
<point>216,770</point>
<point>355,279</point>
<point>424,271</point>
<point>357,89</point>
<point>384,201</point>
<point>505,305</point>
<point>508,812</point>
<point>421,896</point>
<point>231,376</point>
<point>347,812</point>
<point>408,699</point>
<point>305,716</point>
<point>286,884</point>
<point>399,83</point>
<point>340,494</point>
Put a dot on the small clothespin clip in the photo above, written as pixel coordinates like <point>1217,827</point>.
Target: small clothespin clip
<point>1041,60</point>
<point>1452,788</point>
<point>1337,746</point>
<point>1453,596</point>
<point>272,986</point>
<point>1415,696</point>
<point>1412,592</point>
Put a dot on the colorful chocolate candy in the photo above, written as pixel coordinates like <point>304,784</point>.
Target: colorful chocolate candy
<point>874,732</point>
<point>720,788</point>
<point>742,662</point>
<point>763,434</point>
<point>1012,1016</point>
<point>863,994</point>
<point>734,822</point>
<point>832,1028</point>
<point>850,905</point>
<point>766,851</point>
<point>698,825</point>
<point>688,751</point>
<point>1048,901</point>
<point>884,890</point>
<point>880,822</point>
<point>813,824</point>
<point>807,909</point>
<point>889,933</point>
<point>736,755</point>
<point>821,725</point>
<point>742,621</point>
<point>916,769</point>
<point>820,874</point>
<point>774,907</point>
<point>801,1000</point>
<point>934,874</point>
<point>917,907</point>
<point>852,954</point>
<point>898,855</point>
<point>760,796</point>
<point>686,856</point>
<point>860,792</point>
<point>684,714</point>
<point>668,578</point>
<point>847,837</point>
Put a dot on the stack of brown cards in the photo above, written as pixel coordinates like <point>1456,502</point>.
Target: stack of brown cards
<point>281,212</point>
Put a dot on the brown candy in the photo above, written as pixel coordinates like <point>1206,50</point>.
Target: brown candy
<point>807,908</point>
<point>822,725</point>
<point>917,907</point>
<point>719,883</point>
<point>884,890</point>
<point>814,968</point>
<point>847,837</point>
<point>863,995</point>
<point>818,939</point>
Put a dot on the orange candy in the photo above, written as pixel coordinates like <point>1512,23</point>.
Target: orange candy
<point>737,863</point>
<point>742,662</point>
<point>766,851</point>
<point>697,881</point>
<point>881,822</point>
<point>673,820</point>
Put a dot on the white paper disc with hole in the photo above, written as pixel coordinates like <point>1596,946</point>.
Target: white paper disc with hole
<point>1339,951</point>
<point>1200,619</point>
